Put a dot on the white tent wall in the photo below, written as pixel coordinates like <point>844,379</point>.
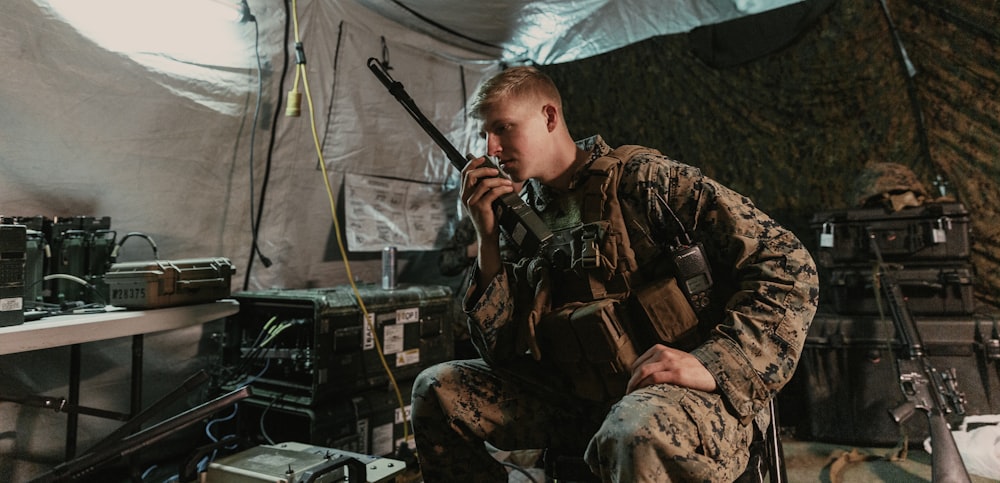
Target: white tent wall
<point>361,129</point>
<point>160,142</point>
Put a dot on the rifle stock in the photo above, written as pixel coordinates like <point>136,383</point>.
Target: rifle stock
<point>924,387</point>
<point>521,224</point>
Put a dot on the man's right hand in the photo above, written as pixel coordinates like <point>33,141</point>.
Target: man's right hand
<point>481,186</point>
<point>662,364</point>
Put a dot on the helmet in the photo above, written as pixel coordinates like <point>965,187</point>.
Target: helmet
<point>887,184</point>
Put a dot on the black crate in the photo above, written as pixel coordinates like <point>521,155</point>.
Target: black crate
<point>846,381</point>
<point>369,422</point>
<point>13,246</point>
<point>36,259</point>
<point>325,348</point>
<point>930,290</point>
<point>932,232</point>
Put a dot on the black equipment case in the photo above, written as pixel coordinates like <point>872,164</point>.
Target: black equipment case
<point>369,422</point>
<point>13,246</point>
<point>848,383</point>
<point>929,290</point>
<point>932,232</point>
<point>308,345</point>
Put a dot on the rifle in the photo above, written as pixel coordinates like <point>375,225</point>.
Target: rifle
<point>924,387</point>
<point>524,227</point>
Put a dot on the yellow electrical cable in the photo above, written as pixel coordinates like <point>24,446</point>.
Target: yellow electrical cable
<point>277,330</point>
<point>269,322</point>
<point>301,68</point>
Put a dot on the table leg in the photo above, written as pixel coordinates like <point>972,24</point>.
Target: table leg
<point>72,419</point>
<point>136,389</point>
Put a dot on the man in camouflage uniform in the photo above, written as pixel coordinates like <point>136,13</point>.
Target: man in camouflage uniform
<point>681,415</point>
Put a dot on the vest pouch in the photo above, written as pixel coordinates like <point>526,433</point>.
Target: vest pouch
<point>588,344</point>
<point>662,314</point>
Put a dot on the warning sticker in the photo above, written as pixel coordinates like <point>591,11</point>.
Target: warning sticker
<point>11,304</point>
<point>392,341</point>
<point>408,357</point>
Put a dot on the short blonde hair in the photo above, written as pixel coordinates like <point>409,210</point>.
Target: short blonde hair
<point>514,82</point>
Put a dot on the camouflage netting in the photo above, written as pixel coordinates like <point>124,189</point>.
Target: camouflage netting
<point>794,128</point>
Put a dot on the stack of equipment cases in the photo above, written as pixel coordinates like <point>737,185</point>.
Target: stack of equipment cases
<point>847,374</point>
<point>315,366</point>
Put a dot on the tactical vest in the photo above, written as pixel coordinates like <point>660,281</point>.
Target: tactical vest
<point>593,311</point>
<point>592,253</point>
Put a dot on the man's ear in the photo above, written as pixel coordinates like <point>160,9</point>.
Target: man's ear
<point>551,114</point>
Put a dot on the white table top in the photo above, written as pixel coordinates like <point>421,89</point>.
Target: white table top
<point>63,330</point>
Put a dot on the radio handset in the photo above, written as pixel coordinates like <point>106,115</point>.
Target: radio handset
<point>691,268</point>
<point>521,224</point>
<point>490,162</point>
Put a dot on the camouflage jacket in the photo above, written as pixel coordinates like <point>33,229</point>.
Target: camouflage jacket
<point>454,258</point>
<point>765,281</point>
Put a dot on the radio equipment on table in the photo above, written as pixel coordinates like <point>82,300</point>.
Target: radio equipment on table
<point>78,247</point>
<point>13,240</point>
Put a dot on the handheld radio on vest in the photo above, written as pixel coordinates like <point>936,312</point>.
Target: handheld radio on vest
<point>694,275</point>
<point>515,217</point>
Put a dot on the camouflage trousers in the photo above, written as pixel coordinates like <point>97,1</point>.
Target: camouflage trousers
<point>658,434</point>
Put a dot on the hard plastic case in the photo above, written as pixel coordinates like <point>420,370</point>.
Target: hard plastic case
<point>930,290</point>
<point>846,381</point>
<point>160,283</point>
<point>930,232</point>
<point>325,348</point>
<point>368,422</point>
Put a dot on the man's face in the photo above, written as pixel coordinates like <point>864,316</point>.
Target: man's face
<point>517,133</point>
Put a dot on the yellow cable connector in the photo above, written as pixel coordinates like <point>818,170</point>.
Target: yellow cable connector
<point>294,107</point>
